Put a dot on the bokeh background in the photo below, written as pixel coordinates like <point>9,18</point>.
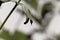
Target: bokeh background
<point>15,29</point>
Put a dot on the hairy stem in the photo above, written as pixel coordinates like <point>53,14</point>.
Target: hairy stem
<point>9,14</point>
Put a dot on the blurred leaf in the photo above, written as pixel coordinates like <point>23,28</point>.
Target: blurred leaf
<point>5,35</point>
<point>1,2</point>
<point>32,3</point>
<point>58,37</point>
<point>5,0</point>
<point>16,36</point>
<point>47,7</point>
<point>27,12</point>
<point>19,36</point>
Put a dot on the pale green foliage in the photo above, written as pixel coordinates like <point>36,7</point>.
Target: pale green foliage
<point>16,36</point>
<point>32,3</point>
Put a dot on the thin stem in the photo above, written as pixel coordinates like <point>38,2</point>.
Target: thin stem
<point>9,14</point>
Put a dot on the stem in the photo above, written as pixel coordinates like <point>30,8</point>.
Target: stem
<point>9,14</point>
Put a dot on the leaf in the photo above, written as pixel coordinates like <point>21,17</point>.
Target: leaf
<point>58,37</point>
<point>19,36</point>
<point>6,0</point>
<point>1,2</point>
<point>46,8</point>
<point>16,36</point>
<point>32,3</point>
<point>5,35</point>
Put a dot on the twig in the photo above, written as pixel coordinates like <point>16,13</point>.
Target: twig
<point>9,14</point>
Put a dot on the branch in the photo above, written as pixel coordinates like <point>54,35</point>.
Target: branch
<point>9,14</point>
